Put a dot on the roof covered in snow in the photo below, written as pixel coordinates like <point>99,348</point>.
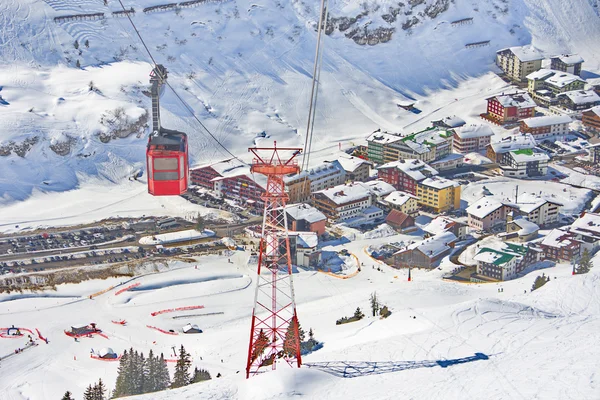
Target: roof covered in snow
<point>317,172</point>
<point>106,351</point>
<point>484,207</point>
<point>582,96</point>
<point>514,142</point>
<point>500,253</point>
<point>519,100</point>
<point>398,198</point>
<point>346,193</point>
<point>305,212</point>
<point>541,74</point>
<point>440,224</point>
<point>416,169</point>
<point>383,137</point>
<point>190,327</point>
<point>305,240</point>
<point>559,238</point>
<point>438,182</point>
<point>474,131</point>
<point>450,122</point>
<point>379,188</point>
<point>525,53</point>
<point>547,120</point>
<point>528,155</point>
<point>350,164</point>
<point>570,59</point>
<point>225,166</point>
<point>562,79</point>
<point>595,110</point>
<point>527,227</point>
<point>587,225</point>
<point>433,246</point>
<point>528,203</point>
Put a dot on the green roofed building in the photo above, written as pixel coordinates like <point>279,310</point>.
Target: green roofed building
<point>503,261</point>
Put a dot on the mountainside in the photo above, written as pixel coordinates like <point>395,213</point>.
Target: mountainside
<point>244,68</point>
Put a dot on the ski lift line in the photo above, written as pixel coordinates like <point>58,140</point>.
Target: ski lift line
<point>315,87</point>
<point>189,109</point>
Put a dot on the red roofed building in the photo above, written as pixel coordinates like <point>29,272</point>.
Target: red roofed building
<point>398,220</point>
<point>506,108</point>
<point>561,245</point>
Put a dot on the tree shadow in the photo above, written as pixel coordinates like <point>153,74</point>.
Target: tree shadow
<point>354,369</point>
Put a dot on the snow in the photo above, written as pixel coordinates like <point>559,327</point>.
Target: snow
<point>587,225</point>
<point>439,183</point>
<point>453,121</point>
<point>474,131</point>
<point>513,142</point>
<point>549,120</point>
<point>519,100</point>
<point>224,167</point>
<point>525,157</point>
<point>484,207</point>
<point>346,193</point>
<point>562,79</point>
<point>383,137</point>
<point>398,198</point>
<point>305,212</point>
<point>435,245</point>
<point>577,178</point>
<point>438,225</point>
<point>541,74</point>
<point>558,238</point>
<point>582,96</point>
<point>571,59</point>
<point>378,188</point>
<point>416,169</point>
<point>179,236</point>
<point>527,227</point>
<point>306,240</point>
<point>525,53</point>
<point>350,164</point>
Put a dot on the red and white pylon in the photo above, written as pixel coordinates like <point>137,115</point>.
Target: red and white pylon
<point>274,331</point>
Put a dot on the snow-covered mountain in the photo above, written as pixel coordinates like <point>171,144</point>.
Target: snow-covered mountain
<point>244,68</point>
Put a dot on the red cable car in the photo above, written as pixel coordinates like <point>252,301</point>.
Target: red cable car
<point>167,150</point>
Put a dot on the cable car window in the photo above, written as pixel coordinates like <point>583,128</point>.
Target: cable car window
<point>166,176</point>
<point>165,164</point>
<point>181,166</point>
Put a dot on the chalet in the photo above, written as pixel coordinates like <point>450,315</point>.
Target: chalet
<point>426,253</point>
<point>567,63</point>
<point>305,218</point>
<point>587,230</point>
<point>502,261</point>
<point>579,100</point>
<point>520,230</point>
<point>561,245</point>
<point>486,213</point>
<point>524,163</point>
<point>507,108</point>
<point>324,176</point>
<point>536,209</point>
<point>190,329</point>
<point>518,62</point>
<point>442,224</point>
<point>470,138</point>
<point>439,194</point>
<point>304,249</point>
<point>402,201</point>
<point>399,220</point>
<point>496,151</point>
<point>591,119</point>
<point>343,202</point>
<point>542,127</point>
<point>403,175</point>
<point>449,122</point>
<point>379,189</point>
<point>357,169</point>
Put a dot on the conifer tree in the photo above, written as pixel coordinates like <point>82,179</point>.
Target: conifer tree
<point>374,303</point>
<point>163,380</point>
<point>149,372</point>
<point>76,44</point>
<point>539,282</point>
<point>121,376</point>
<point>358,314</point>
<point>67,396</point>
<point>89,393</point>
<point>200,375</point>
<point>99,390</point>
<point>585,263</point>
<point>87,43</point>
<point>181,377</point>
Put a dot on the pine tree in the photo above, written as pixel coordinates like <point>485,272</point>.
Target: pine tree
<point>374,303</point>
<point>358,314</point>
<point>181,377</point>
<point>585,263</point>
<point>200,375</point>
<point>99,390</point>
<point>260,345</point>
<point>76,45</point>
<point>163,380</point>
<point>122,377</point>
<point>539,282</point>
<point>67,396</point>
<point>78,64</point>
<point>89,393</point>
<point>87,44</point>
<point>150,378</point>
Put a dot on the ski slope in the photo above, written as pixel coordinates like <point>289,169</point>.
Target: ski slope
<point>538,345</point>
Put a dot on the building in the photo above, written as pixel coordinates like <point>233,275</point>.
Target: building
<point>553,81</point>
<point>402,201</point>
<point>379,189</point>
<point>470,138</point>
<point>520,230</point>
<point>487,213</point>
<point>451,161</point>
<point>403,175</point>
<point>496,151</point>
<point>304,249</point>
<point>542,127</point>
<point>426,253</point>
<point>357,169</point>
<point>439,194</point>
<point>376,143</point>
<point>579,100</point>
<point>107,353</point>
<point>305,218</point>
<point>561,245</point>
<point>343,202</point>
<point>538,210</point>
<point>399,220</point>
<point>507,108</point>
<point>204,176</point>
<point>587,230</point>
<point>502,261</point>
<point>241,185</point>
<point>518,62</point>
<point>524,163</point>
<point>191,328</point>
<point>445,224</point>
<point>568,63</point>
<point>591,119</point>
<point>595,153</point>
<point>323,176</point>
<point>449,122</point>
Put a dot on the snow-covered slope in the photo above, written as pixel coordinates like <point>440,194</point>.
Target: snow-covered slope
<point>244,68</point>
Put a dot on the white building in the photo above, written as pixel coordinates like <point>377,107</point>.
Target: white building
<point>543,127</point>
<point>538,210</point>
<point>587,230</point>
<point>518,62</point>
<point>473,137</point>
<point>343,202</point>
<point>525,163</point>
<point>402,201</point>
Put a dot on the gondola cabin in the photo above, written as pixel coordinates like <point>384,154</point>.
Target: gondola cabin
<point>167,163</point>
